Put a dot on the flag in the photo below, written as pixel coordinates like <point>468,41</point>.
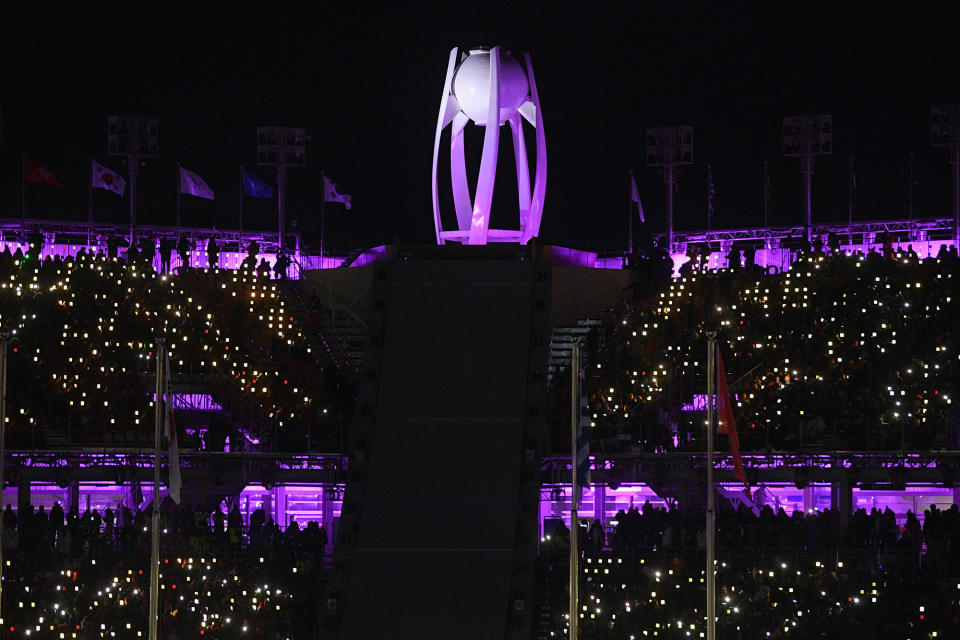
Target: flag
<point>254,186</point>
<point>635,197</point>
<point>36,172</point>
<point>170,427</point>
<point>332,193</point>
<point>194,185</point>
<point>104,178</point>
<point>725,422</point>
<point>583,440</point>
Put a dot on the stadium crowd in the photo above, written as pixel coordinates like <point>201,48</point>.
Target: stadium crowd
<point>85,576</point>
<point>93,314</point>
<point>845,351</point>
<point>651,528</point>
<point>856,352</point>
<point>777,575</point>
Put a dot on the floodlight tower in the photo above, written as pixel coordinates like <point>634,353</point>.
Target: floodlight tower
<point>669,147</point>
<point>945,132</point>
<point>281,147</point>
<point>805,137</point>
<point>134,138</point>
<point>467,96</point>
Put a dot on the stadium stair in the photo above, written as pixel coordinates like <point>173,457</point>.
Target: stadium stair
<point>340,337</point>
<point>561,344</point>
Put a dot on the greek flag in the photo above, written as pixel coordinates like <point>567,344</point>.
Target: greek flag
<point>170,427</point>
<point>583,438</point>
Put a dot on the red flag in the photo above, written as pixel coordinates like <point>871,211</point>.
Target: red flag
<point>725,423</point>
<point>36,172</point>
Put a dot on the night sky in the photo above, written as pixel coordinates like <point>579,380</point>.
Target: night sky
<point>365,82</point>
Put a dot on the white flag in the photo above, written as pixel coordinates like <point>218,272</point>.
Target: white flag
<point>332,193</point>
<point>170,425</point>
<point>192,184</point>
<point>104,178</point>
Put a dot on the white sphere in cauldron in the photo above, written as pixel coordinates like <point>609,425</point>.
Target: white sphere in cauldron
<point>471,85</point>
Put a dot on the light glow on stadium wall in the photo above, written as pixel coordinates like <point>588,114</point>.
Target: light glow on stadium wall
<point>601,502</point>
<point>781,259</point>
<point>776,259</point>
<point>304,502</point>
<point>285,503</point>
<point>199,258</point>
<point>468,95</point>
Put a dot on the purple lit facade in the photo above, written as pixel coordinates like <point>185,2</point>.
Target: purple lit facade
<point>602,503</point>
<point>311,502</point>
<point>286,503</point>
<point>776,247</point>
<point>925,237</point>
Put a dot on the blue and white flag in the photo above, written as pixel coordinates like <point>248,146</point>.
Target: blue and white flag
<point>170,428</point>
<point>254,186</point>
<point>583,439</point>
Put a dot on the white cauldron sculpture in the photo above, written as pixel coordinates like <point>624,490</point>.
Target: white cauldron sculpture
<point>467,96</point>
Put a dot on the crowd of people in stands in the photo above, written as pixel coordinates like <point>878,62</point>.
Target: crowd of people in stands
<point>85,329</point>
<point>651,528</point>
<point>854,352</point>
<point>842,351</point>
<point>805,575</point>
<point>73,575</point>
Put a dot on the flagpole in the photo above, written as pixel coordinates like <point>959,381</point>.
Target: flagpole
<point>154,622</point>
<point>134,169</point>
<point>5,338</point>
<point>323,200</point>
<point>89,199</point>
<point>711,516</point>
<point>23,188</point>
<point>670,178</point>
<point>766,193</point>
<point>852,186</point>
<point>240,222</point>
<point>910,187</point>
<point>281,203</point>
<point>709,197</point>
<point>178,202</point>
<point>574,491</point>
<point>630,216</point>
